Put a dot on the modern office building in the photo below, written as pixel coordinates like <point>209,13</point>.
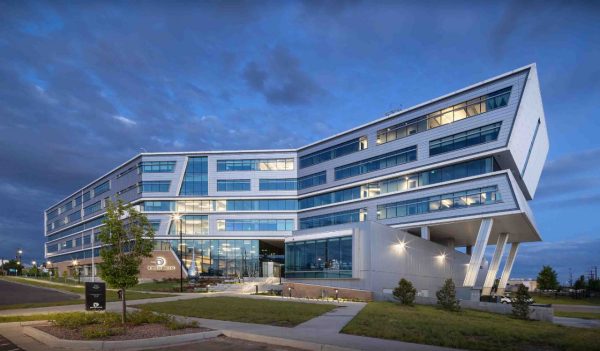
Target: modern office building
<point>419,193</point>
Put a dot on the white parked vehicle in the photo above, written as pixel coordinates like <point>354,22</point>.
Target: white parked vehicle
<point>508,300</point>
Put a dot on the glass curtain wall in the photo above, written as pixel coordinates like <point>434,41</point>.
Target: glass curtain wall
<point>226,258</point>
<point>322,258</point>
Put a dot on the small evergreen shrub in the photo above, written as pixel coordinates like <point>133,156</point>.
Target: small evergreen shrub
<point>520,303</point>
<point>446,296</point>
<point>405,292</point>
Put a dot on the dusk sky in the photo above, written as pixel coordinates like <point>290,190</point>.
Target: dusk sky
<point>86,85</point>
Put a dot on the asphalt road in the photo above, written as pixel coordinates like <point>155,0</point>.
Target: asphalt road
<point>14,293</point>
<point>6,345</point>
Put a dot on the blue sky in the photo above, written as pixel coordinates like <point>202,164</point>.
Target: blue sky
<point>86,85</point>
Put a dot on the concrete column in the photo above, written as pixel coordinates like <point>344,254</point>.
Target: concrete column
<point>510,260</point>
<point>482,238</point>
<point>494,265</point>
<point>425,233</point>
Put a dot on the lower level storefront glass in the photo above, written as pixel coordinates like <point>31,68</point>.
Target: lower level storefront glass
<point>226,258</point>
<point>322,258</point>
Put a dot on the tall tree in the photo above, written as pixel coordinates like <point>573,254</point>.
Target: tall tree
<point>127,237</point>
<point>547,279</point>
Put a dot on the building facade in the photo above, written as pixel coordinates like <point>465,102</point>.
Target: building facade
<point>448,176</point>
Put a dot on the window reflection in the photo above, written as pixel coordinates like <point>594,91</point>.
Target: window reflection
<point>323,258</point>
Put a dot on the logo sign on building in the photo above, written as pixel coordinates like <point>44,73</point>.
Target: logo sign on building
<point>159,263</point>
<point>95,296</point>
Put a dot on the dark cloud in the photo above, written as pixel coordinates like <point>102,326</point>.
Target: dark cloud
<point>281,79</point>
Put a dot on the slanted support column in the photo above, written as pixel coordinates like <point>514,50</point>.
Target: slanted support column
<point>494,265</point>
<point>510,260</point>
<point>425,233</point>
<point>478,250</point>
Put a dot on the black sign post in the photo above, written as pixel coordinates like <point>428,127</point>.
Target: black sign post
<point>95,296</point>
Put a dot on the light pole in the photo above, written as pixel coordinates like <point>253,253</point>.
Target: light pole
<point>48,264</point>
<point>33,264</point>
<point>177,217</point>
<point>19,254</point>
<point>75,264</point>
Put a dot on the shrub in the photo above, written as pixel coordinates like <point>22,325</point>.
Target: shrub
<point>520,302</point>
<point>405,292</point>
<point>446,296</point>
<point>99,332</point>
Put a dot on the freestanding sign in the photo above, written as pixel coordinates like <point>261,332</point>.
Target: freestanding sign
<point>95,296</point>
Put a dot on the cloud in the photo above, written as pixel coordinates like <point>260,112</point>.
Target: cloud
<point>126,121</point>
<point>280,78</point>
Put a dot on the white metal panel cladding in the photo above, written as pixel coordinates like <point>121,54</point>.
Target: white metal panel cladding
<point>501,180</point>
<point>504,114</point>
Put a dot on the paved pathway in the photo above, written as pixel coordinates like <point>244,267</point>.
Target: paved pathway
<point>577,322</point>
<point>15,293</point>
<point>576,308</point>
<point>324,329</point>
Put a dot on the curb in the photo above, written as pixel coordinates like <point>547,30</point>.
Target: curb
<point>272,340</point>
<point>136,344</point>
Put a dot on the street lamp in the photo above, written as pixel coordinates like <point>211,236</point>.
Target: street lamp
<point>33,263</point>
<point>75,264</point>
<point>19,254</point>
<point>177,217</point>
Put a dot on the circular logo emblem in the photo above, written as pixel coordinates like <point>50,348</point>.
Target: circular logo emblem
<point>160,261</point>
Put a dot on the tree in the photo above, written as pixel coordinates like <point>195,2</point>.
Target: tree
<point>12,264</point>
<point>579,283</point>
<point>447,296</point>
<point>547,279</point>
<point>127,237</point>
<point>520,302</point>
<point>405,292</point>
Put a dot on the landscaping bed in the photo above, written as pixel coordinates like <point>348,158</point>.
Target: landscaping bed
<point>107,326</point>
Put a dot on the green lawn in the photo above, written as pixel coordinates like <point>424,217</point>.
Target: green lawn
<point>467,329</point>
<point>584,315</point>
<point>162,286</point>
<point>33,317</point>
<point>566,300</point>
<point>111,295</point>
<point>247,310</point>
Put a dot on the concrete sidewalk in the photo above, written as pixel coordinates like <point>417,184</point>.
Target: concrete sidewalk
<point>323,330</point>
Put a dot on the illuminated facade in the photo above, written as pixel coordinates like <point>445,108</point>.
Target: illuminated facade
<point>455,172</point>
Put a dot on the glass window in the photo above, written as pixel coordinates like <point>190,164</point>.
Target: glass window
<point>95,207</point>
<point>190,225</point>
<point>255,224</point>
<point>155,186</point>
<point>158,206</point>
<point>195,178</point>
<point>286,164</point>
<point>388,160</point>
<point>472,197</point>
<point>156,167</point>
<point>444,116</point>
<point>102,188</point>
<point>350,216</point>
<point>323,258</point>
<point>288,184</point>
<point>312,180</point>
<point>332,152</point>
<point>233,185</point>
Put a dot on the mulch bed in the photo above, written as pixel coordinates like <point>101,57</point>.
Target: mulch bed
<point>144,331</point>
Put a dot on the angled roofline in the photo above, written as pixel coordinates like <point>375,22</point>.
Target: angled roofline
<point>412,108</point>
<point>379,120</point>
